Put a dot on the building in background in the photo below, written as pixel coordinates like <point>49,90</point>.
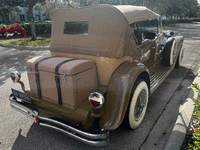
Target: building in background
<point>21,15</point>
<point>40,13</point>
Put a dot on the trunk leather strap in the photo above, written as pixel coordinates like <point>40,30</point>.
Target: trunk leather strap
<point>37,76</point>
<point>57,78</point>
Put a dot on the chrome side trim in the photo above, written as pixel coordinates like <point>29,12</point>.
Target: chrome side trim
<point>92,139</point>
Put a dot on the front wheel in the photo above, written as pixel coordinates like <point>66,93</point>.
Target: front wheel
<point>138,104</point>
<point>179,59</point>
<point>169,53</point>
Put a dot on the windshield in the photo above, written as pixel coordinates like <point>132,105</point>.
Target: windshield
<point>147,29</point>
<point>147,25</point>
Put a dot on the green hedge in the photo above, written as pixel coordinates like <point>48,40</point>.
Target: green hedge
<point>174,21</point>
<point>40,28</point>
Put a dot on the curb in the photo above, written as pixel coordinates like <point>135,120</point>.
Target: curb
<point>25,47</point>
<point>181,125</point>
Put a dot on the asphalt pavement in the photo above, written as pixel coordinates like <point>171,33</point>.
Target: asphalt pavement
<point>156,132</point>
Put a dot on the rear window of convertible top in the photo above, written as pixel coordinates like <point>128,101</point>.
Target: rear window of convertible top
<point>76,27</point>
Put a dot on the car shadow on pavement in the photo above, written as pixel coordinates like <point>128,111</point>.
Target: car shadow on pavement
<point>175,90</point>
<point>43,138</point>
<point>13,59</point>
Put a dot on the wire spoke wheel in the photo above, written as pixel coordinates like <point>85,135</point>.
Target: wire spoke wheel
<point>137,105</point>
<point>140,104</point>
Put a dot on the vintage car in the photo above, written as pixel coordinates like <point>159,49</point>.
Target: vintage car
<point>105,63</point>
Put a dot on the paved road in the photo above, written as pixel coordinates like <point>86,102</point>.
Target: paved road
<point>18,132</point>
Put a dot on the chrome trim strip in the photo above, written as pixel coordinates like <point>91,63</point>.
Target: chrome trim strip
<point>92,139</point>
<point>82,133</point>
<point>24,110</point>
<point>73,135</point>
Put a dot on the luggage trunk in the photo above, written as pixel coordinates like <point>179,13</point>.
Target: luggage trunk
<point>61,80</point>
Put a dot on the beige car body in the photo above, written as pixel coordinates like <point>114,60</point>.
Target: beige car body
<point>120,60</point>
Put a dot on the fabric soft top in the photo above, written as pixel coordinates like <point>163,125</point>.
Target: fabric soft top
<point>136,13</point>
<point>109,33</point>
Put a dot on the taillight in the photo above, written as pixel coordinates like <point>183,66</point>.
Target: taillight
<point>37,120</point>
<point>94,103</point>
<point>96,100</point>
<point>15,76</point>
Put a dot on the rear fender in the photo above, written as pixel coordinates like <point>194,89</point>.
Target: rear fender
<point>118,94</point>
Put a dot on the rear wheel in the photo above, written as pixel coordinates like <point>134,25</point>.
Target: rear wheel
<point>138,105</point>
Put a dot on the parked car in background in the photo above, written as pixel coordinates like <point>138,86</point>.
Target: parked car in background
<point>105,63</point>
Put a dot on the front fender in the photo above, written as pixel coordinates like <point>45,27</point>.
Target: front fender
<point>118,94</point>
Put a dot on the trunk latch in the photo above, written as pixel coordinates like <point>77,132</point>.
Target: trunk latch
<point>64,77</point>
<point>76,79</point>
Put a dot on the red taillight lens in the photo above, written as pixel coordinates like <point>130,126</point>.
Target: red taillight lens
<point>13,78</point>
<point>37,120</point>
<point>95,103</point>
<point>96,100</point>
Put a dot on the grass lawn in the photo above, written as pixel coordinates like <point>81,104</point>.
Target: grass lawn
<point>41,41</point>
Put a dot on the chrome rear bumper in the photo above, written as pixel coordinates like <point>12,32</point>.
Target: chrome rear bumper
<point>92,139</point>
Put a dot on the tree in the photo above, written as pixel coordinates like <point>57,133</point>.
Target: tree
<point>84,2</point>
<point>4,13</point>
<point>5,10</point>
<point>25,3</point>
<point>191,8</point>
<point>56,4</point>
<point>170,8</point>
<point>30,4</point>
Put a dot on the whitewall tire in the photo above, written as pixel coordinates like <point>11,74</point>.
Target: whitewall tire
<point>173,53</point>
<point>169,53</point>
<point>138,104</point>
<point>179,59</point>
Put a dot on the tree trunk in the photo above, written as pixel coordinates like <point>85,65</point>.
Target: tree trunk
<point>32,22</point>
<point>33,33</point>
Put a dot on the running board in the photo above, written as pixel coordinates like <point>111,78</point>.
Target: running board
<point>157,78</point>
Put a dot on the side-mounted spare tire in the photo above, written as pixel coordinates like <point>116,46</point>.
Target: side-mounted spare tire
<point>137,105</point>
<point>169,52</point>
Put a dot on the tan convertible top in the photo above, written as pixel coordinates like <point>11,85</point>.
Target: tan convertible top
<point>109,33</point>
<point>136,13</point>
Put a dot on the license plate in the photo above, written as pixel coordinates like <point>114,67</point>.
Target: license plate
<point>23,96</point>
